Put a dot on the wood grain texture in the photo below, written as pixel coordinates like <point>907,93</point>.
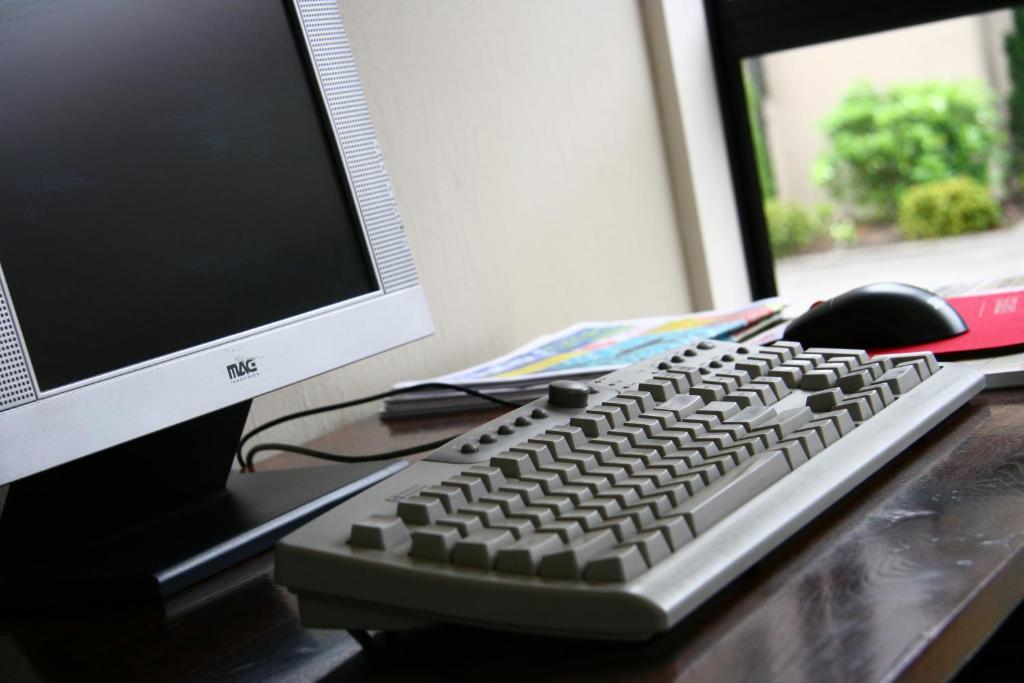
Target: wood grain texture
<point>903,579</point>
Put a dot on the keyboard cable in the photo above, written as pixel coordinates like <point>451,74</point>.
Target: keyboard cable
<point>245,462</point>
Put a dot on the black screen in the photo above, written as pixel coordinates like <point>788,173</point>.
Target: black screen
<point>166,179</point>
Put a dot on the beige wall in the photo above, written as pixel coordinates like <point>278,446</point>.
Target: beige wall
<point>804,84</point>
<point>524,146</point>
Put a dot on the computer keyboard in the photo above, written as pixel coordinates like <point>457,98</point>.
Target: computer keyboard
<point>614,508</point>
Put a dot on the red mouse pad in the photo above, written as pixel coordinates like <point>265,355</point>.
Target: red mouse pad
<point>995,323</point>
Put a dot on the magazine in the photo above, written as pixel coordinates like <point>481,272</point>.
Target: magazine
<point>582,351</point>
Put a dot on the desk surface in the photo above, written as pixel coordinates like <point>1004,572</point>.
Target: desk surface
<point>904,578</point>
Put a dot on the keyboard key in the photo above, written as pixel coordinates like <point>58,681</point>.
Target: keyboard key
<point>754,367</point>
<point>925,359</point>
<point>878,366</point>
<point>674,529</point>
<point>568,563</point>
<point>592,425</point>
<point>790,420</point>
<point>661,389</point>
<point>566,529</point>
<point>708,392</point>
<point>621,526</point>
<point>794,453</point>
<point>549,482</point>
<point>855,381</point>
<point>682,407</point>
<point>628,407</point>
<point>451,497</point>
<point>841,419</point>
<point>472,487</point>
<point>617,442</point>
<point>600,451</point>
<point>565,471</point>
<point>513,465</point>
<point>643,399</point>
<point>538,516</point>
<point>822,401</point>
<point>527,490</point>
<point>735,488</point>
<point>900,379</point>
<point>777,385</point>
<point>464,523</point>
<point>808,440</point>
<point>421,510</point>
<point>825,429</point>
<point>606,507</point>
<point>379,532</point>
<point>872,397</point>
<point>557,504</point>
<point>618,564</point>
<point>633,436</point>
<point>520,528</point>
<point>614,416</point>
<point>492,477</point>
<point>641,515</point>
<point>652,545</point>
<point>555,443</point>
<point>572,434</point>
<point>539,453</point>
<point>576,493</point>
<point>751,395</point>
<point>855,355</point>
<point>720,409</point>
<point>791,346</point>
<point>489,513</point>
<point>649,425</point>
<point>508,501</point>
<point>480,549</point>
<point>790,374</point>
<point>595,483</point>
<point>859,408</point>
<point>434,543</point>
<point>816,380</point>
<point>588,519</point>
<point>524,555</point>
<point>584,462</point>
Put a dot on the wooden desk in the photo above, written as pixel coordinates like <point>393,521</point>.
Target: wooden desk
<point>903,579</point>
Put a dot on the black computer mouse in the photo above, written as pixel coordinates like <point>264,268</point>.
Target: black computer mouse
<point>877,316</point>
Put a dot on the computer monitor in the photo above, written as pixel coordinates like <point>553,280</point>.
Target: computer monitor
<point>193,212</point>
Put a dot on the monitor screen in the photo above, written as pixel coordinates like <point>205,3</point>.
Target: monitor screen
<point>168,179</point>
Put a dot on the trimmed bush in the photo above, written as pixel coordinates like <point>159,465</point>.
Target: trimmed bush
<point>793,227</point>
<point>947,207</point>
<point>882,142</point>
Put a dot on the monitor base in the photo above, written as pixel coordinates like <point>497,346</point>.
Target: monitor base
<point>149,518</point>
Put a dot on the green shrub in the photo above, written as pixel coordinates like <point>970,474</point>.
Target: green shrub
<point>881,142</point>
<point>793,227</point>
<point>947,207</point>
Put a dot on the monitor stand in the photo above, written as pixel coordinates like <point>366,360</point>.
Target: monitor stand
<point>152,516</point>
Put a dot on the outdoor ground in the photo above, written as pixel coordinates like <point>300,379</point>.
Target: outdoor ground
<point>980,256</point>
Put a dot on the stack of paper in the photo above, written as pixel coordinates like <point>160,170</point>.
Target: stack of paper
<point>582,351</point>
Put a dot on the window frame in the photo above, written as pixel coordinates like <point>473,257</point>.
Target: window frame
<point>738,29</point>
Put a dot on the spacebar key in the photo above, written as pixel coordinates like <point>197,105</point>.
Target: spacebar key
<point>732,490</point>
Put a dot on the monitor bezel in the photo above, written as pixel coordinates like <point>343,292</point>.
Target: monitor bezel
<point>75,420</point>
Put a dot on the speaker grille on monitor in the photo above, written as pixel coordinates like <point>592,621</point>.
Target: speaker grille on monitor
<point>15,380</point>
<point>343,93</point>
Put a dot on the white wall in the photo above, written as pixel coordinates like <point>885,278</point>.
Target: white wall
<point>524,146</point>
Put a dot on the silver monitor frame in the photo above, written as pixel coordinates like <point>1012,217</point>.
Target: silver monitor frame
<point>42,429</point>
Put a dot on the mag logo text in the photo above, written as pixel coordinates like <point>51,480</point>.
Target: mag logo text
<point>242,369</point>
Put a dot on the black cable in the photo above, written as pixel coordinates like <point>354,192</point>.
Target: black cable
<point>337,457</point>
<point>244,463</point>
